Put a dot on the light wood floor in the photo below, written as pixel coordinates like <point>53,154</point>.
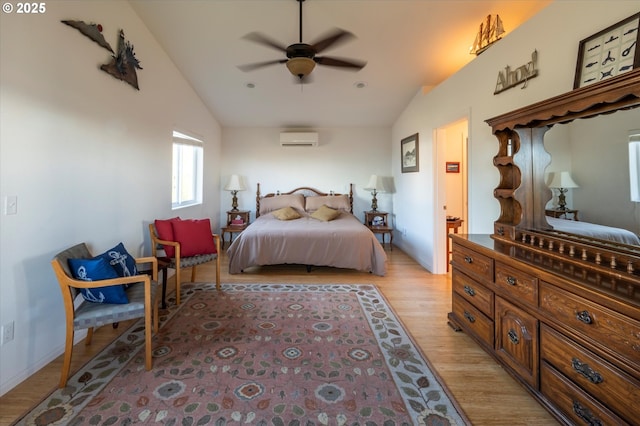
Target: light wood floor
<point>487,394</point>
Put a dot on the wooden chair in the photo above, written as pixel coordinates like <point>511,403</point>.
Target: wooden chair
<point>178,262</point>
<point>141,293</point>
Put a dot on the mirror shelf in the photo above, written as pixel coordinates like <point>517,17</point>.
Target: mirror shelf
<point>521,161</point>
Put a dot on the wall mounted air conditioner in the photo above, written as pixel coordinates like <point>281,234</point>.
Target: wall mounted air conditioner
<point>298,139</point>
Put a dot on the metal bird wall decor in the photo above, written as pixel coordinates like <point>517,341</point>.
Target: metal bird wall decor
<point>123,63</point>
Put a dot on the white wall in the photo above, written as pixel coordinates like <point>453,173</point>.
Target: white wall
<point>343,156</point>
<point>555,33</point>
<point>88,157</point>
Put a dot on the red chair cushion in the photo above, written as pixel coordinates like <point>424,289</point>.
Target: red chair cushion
<point>194,237</point>
<point>164,230</point>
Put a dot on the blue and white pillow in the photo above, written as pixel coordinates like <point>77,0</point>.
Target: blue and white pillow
<point>94,270</point>
<point>120,259</point>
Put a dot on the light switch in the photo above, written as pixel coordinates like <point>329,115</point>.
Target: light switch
<point>11,205</point>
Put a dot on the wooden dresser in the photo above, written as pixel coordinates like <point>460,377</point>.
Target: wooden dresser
<point>574,346</point>
<point>560,311</point>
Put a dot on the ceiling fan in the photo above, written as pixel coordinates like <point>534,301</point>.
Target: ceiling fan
<point>301,57</point>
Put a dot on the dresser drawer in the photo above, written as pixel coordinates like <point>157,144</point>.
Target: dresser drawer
<point>472,320</point>
<point>472,262</point>
<point>519,284</point>
<point>516,340</point>
<point>614,332</point>
<point>602,380</point>
<point>577,405</point>
<point>479,296</point>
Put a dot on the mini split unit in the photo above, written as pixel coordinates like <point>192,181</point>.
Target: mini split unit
<point>298,139</point>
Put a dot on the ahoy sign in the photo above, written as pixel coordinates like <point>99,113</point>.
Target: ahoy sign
<point>510,78</point>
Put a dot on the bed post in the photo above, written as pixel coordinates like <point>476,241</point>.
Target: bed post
<point>351,197</point>
<point>258,201</point>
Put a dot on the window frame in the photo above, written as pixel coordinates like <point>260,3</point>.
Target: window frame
<point>184,143</point>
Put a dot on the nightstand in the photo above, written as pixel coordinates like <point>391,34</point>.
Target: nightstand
<point>562,214</point>
<point>378,223</point>
<point>237,221</point>
<point>452,224</point>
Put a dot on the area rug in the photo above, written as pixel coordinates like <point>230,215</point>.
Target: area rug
<point>261,354</point>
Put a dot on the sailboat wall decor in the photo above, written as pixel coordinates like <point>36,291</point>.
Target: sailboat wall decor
<point>490,31</point>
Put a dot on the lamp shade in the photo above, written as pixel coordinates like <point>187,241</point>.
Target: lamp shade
<point>235,184</point>
<point>376,183</point>
<point>562,180</point>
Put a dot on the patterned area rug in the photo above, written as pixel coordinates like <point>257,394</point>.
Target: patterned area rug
<point>261,354</point>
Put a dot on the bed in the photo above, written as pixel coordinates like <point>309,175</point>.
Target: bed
<point>601,232</point>
<point>342,242</point>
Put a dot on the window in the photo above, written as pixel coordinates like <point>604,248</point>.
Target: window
<point>186,181</point>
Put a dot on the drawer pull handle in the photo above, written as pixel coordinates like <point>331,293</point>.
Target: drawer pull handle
<point>584,317</point>
<point>586,371</point>
<point>513,336</point>
<point>511,280</point>
<point>585,414</point>
<point>471,292</point>
<point>468,259</point>
<point>469,317</point>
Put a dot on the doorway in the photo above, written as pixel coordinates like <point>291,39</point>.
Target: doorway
<point>451,187</point>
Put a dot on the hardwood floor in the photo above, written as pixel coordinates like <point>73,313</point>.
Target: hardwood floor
<point>487,394</point>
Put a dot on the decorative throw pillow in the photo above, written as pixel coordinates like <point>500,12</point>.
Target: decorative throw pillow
<point>194,236</point>
<point>97,269</point>
<point>325,214</point>
<point>286,213</point>
<point>120,259</point>
<point>164,229</point>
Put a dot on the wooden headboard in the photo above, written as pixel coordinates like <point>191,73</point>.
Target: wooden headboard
<point>306,191</point>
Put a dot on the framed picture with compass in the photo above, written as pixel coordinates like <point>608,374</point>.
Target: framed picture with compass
<point>610,52</point>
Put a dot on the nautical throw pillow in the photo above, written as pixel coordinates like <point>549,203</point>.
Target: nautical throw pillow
<point>120,259</point>
<point>97,269</point>
<point>325,214</point>
<point>164,229</point>
<point>194,236</point>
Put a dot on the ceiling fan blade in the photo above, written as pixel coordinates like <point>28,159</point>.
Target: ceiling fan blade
<point>265,41</point>
<point>332,39</point>
<point>256,65</point>
<point>336,62</point>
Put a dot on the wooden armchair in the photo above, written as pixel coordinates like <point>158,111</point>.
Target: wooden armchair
<point>141,292</point>
<point>179,261</point>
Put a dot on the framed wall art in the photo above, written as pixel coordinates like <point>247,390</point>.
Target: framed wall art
<point>610,52</point>
<point>453,167</point>
<point>409,154</point>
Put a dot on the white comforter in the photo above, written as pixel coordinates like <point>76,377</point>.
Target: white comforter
<point>594,230</point>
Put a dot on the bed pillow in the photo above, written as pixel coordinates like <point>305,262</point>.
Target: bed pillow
<point>286,213</point>
<point>194,236</point>
<point>325,214</point>
<point>164,229</point>
<point>120,260</point>
<point>269,204</point>
<point>337,202</point>
<point>97,269</point>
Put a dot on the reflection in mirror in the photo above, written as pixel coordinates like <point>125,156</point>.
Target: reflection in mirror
<point>596,153</point>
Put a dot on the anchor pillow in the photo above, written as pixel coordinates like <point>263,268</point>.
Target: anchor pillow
<point>120,259</point>
<point>97,269</point>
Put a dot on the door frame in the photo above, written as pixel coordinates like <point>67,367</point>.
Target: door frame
<point>442,137</point>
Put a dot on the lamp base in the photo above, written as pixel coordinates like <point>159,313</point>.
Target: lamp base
<point>374,202</point>
<point>562,202</point>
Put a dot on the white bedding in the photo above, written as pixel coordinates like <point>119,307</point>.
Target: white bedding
<point>594,230</point>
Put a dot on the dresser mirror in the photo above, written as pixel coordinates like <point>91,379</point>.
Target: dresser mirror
<point>595,152</point>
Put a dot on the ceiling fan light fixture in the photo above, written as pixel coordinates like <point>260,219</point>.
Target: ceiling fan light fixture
<point>300,67</point>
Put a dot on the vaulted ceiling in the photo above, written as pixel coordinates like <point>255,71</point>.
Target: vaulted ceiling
<point>408,45</point>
